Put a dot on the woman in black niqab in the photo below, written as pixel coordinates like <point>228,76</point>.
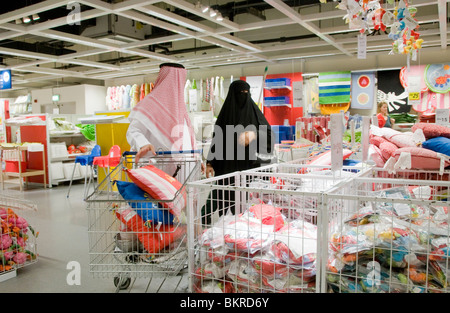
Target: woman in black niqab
<point>238,110</point>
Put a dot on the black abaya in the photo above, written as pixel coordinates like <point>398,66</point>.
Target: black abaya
<point>224,156</point>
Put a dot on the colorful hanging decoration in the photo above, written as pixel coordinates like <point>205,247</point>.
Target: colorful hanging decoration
<point>437,77</point>
<point>371,17</point>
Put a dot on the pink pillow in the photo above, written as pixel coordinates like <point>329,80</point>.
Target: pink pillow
<point>377,140</point>
<point>403,140</point>
<point>421,158</point>
<point>431,130</point>
<point>160,186</point>
<point>387,149</point>
<point>376,156</point>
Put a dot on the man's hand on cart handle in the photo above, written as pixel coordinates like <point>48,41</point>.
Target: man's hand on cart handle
<point>143,151</point>
<point>209,170</point>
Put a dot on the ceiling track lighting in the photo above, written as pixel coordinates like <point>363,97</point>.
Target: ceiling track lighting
<point>212,13</point>
<point>36,17</point>
<point>219,17</point>
<point>204,8</point>
<point>26,19</point>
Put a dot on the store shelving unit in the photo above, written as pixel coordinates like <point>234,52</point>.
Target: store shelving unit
<point>22,154</point>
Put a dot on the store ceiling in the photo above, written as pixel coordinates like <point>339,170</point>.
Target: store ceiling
<point>89,41</point>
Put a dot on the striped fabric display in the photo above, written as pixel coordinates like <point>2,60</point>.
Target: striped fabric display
<point>160,186</point>
<point>334,87</point>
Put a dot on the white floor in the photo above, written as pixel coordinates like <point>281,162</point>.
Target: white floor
<point>63,238</point>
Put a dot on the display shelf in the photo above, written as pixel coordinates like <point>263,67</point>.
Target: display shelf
<point>280,87</point>
<point>21,175</point>
<point>70,157</point>
<point>53,135</point>
<point>288,105</point>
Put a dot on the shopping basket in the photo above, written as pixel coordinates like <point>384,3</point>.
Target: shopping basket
<point>18,246</point>
<point>133,234</point>
<point>257,230</point>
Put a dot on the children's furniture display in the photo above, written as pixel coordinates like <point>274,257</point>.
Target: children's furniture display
<point>86,160</point>
<point>16,166</point>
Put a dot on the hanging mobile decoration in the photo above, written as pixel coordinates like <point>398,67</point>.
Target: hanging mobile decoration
<point>371,17</point>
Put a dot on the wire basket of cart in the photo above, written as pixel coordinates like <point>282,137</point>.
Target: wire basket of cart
<point>137,220</point>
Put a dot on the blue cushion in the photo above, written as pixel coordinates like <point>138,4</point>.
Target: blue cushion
<point>147,210</point>
<point>350,162</point>
<point>438,144</point>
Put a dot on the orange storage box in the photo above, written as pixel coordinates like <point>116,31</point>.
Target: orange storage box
<point>13,166</point>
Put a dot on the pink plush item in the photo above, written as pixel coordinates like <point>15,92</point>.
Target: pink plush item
<point>387,149</point>
<point>421,158</point>
<point>160,186</point>
<point>376,140</point>
<point>376,155</point>
<point>431,130</point>
<point>403,140</point>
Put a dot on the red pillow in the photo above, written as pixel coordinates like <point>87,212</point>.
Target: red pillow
<point>151,238</point>
<point>387,149</point>
<point>160,186</point>
<point>421,158</point>
<point>431,130</point>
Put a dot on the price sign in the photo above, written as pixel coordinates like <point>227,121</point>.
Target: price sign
<point>337,152</point>
<point>443,117</point>
<point>414,96</point>
<point>362,46</point>
<point>414,90</point>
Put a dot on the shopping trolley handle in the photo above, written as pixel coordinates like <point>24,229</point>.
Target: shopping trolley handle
<point>127,153</point>
<point>179,152</point>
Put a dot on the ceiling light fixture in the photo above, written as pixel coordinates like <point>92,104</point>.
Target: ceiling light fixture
<point>26,19</point>
<point>212,13</point>
<point>36,17</point>
<point>205,8</point>
<point>219,17</point>
<point>18,21</point>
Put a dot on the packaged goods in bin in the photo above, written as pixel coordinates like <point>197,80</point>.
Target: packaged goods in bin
<point>407,244</point>
<point>17,240</point>
<point>260,250</point>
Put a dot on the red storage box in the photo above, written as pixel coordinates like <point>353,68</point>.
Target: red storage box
<point>13,166</point>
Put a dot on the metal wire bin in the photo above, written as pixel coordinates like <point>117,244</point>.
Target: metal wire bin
<point>18,246</point>
<point>387,236</point>
<point>131,238</point>
<point>256,231</point>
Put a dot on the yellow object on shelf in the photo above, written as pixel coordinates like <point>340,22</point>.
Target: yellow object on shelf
<point>327,109</point>
<point>110,134</point>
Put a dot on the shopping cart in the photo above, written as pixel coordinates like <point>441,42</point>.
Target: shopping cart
<point>133,235</point>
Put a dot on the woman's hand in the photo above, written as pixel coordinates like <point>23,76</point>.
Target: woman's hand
<point>209,171</point>
<point>143,151</point>
<point>246,137</point>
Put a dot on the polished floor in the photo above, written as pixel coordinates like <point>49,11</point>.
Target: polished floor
<point>63,238</point>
